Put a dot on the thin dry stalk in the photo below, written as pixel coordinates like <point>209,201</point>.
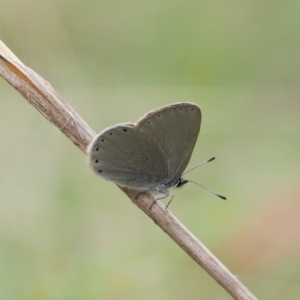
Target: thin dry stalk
<point>44,98</point>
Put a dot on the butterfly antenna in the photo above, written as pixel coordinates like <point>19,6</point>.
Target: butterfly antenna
<point>205,162</point>
<point>220,196</point>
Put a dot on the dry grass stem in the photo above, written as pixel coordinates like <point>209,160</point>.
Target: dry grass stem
<point>44,98</point>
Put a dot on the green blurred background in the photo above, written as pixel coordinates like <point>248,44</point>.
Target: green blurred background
<point>66,234</point>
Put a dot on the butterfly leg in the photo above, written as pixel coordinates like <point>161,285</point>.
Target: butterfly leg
<point>172,196</point>
<point>160,198</point>
<point>139,194</point>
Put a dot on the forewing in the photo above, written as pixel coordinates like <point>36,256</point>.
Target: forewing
<point>174,130</point>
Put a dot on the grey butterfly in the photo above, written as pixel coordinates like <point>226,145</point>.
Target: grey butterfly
<point>151,154</point>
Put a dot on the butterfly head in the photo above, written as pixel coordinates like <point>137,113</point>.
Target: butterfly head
<point>180,182</point>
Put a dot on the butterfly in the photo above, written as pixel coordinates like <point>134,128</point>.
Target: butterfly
<point>151,154</point>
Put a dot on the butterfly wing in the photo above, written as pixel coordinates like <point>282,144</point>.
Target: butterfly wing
<point>150,154</point>
<point>174,130</point>
<point>124,155</point>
